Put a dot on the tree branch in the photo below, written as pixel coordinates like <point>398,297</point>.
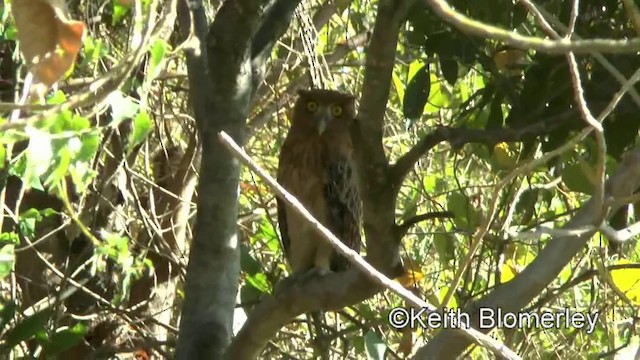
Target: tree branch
<point>377,195</point>
<point>516,294</point>
<point>458,137</point>
<point>290,302</point>
<point>477,28</point>
<point>402,229</point>
<point>222,78</point>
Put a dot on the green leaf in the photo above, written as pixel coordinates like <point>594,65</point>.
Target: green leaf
<point>119,11</point>
<point>141,127</point>
<point>439,97</point>
<point>374,345</point>
<point>158,53</point>
<point>417,94</point>
<point>3,156</point>
<point>64,340</point>
<point>63,160</point>
<point>90,145</point>
<point>248,264</point>
<point>27,328</point>
<point>526,206</point>
<point>57,98</point>
<point>449,70</point>
<point>465,216</point>
<point>259,281</point>
<point>444,243</point>
<point>249,294</point>
<point>39,155</point>
<point>7,260</point>
<point>9,237</point>
<point>576,180</point>
<point>7,313</point>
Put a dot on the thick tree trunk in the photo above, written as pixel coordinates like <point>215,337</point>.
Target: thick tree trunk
<point>224,71</point>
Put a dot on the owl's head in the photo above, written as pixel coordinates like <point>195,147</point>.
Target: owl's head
<point>323,111</point>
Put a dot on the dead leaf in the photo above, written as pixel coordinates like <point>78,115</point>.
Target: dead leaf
<point>49,41</point>
<point>509,61</point>
<point>410,278</point>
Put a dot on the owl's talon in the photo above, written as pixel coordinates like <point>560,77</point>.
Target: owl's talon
<point>288,282</point>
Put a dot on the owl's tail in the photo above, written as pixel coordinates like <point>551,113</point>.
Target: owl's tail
<point>322,341</point>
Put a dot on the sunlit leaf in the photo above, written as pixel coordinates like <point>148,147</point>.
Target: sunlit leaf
<point>508,271</point>
<point>158,53</point>
<point>505,156</point>
<point>259,281</point>
<point>410,278</point>
<point>3,154</point>
<point>49,41</point>
<point>141,128</point>
<point>627,280</point>
<point>120,10</point>
<point>7,260</point>
<point>122,107</point>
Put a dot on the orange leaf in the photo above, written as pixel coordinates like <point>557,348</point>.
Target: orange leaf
<point>410,278</point>
<point>48,40</point>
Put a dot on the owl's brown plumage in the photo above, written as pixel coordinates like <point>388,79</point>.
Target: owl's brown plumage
<point>316,166</point>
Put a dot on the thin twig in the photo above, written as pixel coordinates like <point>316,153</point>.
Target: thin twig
<point>598,192</point>
<point>572,20</point>
<point>407,224</point>
<point>542,15</point>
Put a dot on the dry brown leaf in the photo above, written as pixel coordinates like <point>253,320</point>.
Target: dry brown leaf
<point>48,40</point>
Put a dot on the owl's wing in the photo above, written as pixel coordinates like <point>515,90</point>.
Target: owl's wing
<point>284,229</point>
<point>284,173</point>
<point>343,207</point>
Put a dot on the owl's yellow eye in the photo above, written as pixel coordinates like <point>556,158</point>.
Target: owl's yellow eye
<point>312,105</point>
<point>336,110</point>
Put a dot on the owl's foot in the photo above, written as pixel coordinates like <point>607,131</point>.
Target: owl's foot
<point>301,277</point>
<point>288,282</point>
<point>315,272</point>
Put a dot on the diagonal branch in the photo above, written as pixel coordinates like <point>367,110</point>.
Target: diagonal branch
<point>516,294</point>
<point>285,302</point>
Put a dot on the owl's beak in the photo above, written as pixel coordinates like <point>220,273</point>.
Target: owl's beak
<point>323,119</point>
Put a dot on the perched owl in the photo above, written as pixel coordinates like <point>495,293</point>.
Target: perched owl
<point>316,166</point>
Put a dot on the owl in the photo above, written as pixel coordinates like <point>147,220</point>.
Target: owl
<point>316,166</point>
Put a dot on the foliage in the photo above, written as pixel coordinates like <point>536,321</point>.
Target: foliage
<point>99,168</point>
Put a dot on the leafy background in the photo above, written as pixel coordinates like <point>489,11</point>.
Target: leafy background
<point>102,177</point>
